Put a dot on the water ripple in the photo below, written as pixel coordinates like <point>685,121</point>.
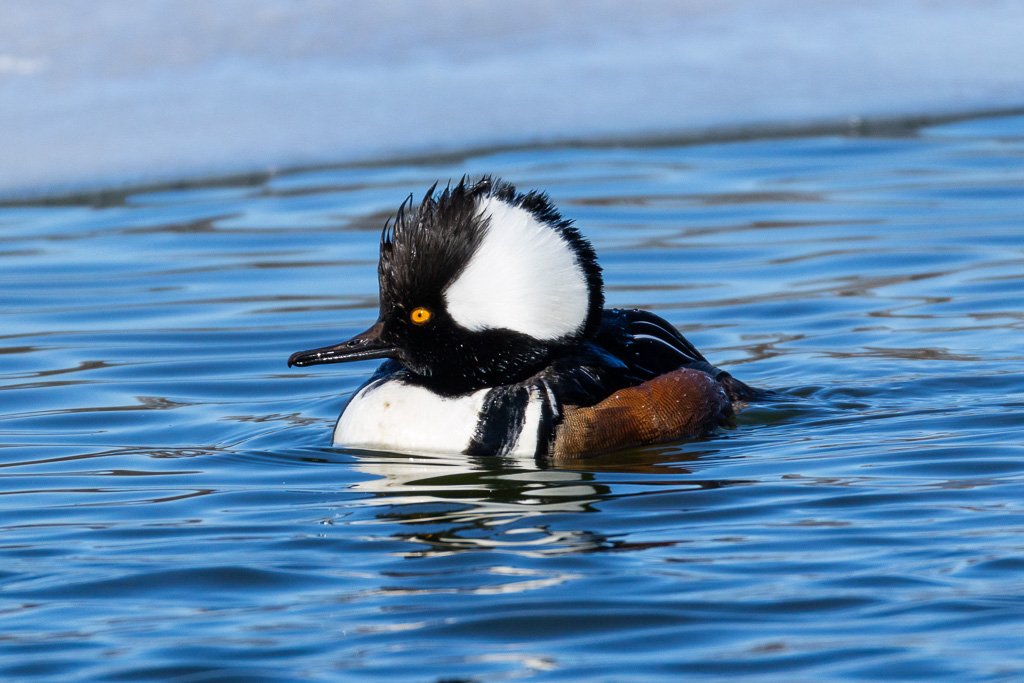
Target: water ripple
<point>170,507</point>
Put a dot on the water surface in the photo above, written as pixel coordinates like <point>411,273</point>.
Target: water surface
<point>172,509</point>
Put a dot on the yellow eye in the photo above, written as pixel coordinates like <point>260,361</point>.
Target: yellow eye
<point>419,315</point>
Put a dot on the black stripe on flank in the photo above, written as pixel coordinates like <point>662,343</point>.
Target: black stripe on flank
<point>501,420</point>
<point>548,415</point>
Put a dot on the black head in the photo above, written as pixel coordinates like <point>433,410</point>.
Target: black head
<point>479,285</point>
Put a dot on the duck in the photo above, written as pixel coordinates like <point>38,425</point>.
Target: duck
<point>495,341</point>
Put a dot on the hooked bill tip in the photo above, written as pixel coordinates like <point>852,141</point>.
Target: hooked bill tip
<point>297,359</point>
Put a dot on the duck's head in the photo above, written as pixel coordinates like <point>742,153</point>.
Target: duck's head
<point>480,285</point>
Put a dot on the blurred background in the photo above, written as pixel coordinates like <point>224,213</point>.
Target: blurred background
<point>102,93</point>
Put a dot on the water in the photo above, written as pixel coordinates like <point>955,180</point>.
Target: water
<point>172,509</point>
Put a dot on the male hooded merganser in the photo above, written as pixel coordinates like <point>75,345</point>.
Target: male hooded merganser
<point>492,321</point>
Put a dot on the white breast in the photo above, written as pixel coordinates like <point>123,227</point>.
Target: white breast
<point>394,416</point>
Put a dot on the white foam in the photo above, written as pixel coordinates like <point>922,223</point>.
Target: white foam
<point>524,277</point>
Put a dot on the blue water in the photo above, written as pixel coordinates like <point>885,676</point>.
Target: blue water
<point>171,508</point>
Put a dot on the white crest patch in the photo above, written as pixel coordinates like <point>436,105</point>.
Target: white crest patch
<point>523,276</point>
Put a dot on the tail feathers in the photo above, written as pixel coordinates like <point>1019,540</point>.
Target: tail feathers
<point>740,391</point>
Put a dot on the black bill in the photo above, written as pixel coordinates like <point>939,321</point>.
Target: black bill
<point>364,346</point>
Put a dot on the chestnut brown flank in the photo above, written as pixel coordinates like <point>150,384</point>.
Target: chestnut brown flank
<point>675,405</point>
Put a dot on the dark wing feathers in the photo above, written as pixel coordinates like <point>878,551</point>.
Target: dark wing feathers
<point>652,346</point>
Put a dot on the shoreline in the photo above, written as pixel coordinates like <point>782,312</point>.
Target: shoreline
<point>98,94</point>
<point>101,194</point>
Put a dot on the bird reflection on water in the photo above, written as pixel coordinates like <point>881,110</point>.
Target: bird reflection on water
<point>458,503</point>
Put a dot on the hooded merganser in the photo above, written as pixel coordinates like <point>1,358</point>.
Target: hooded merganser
<point>496,340</point>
